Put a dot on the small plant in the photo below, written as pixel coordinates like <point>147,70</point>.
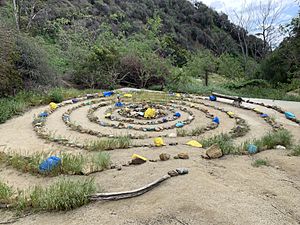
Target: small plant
<point>72,164</point>
<point>102,160</point>
<point>224,141</point>
<point>56,95</point>
<point>269,141</point>
<point>296,150</point>
<point>109,144</point>
<point>63,195</point>
<point>260,162</point>
<point>6,193</point>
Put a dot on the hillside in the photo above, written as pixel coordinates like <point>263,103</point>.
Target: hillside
<point>105,44</point>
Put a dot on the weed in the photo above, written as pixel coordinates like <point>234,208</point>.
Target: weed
<point>296,150</point>
<point>63,195</point>
<point>224,141</point>
<point>269,141</point>
<point>56,95</point>
<point>109,144</point>
<point>72,164</point>
<point>102,160</point>
<point>260,162</point>
<point>6,193</point>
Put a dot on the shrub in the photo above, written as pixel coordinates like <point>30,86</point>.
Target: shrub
<point>32,64</point>
<point>230,66</point>
<point>56,95</point>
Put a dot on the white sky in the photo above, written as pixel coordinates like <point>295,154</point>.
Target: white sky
<point>227,6</point>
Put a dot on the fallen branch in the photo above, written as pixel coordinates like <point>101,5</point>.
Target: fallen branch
<point>127,194</point>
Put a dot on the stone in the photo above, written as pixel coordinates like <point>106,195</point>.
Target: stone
<point>214,152</point>
<point>182,171</point>
<point>137,161</point>
<point>183,155</point>
<point>280,147</point>
<point>173,173</point>
<point>172,135</point>
<point>164,156</point>
<point>119,167</point>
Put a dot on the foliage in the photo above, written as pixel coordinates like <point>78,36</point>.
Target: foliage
<point>260,162</point>
<point>269,141</point>
<point>224,141</point>
<point>18,104</point>
<point>109,144</point>
<point>6,193</point>
<point>63,195</point>
<point>296,150</point>
<point>230,67</point>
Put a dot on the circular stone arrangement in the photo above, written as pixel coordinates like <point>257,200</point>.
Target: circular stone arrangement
<point>176,118</point>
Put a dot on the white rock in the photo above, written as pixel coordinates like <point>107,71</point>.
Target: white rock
<point>172,135</point>
<point>280,147</point>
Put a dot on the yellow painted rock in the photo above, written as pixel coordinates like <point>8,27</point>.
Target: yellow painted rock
<point>107,115</point>
<point>53,106</point>
<point>178,95</point>
<point>150,113</point>
<point>159,142</point>
<point>128,95</point>
<point>257,111</point>
<point>136,156</point>
<point>194,143</point>
<point>231,114</point>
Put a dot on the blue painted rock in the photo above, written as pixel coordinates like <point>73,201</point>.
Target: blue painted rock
<point>49,164</point>
<point>216,120</point>
<point>252,149</point>
<point>212,98</point>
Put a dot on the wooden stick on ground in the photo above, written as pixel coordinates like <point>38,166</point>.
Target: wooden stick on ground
<point>128,194</point>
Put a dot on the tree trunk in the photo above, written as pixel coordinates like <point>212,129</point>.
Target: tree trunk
<point>16,12</point>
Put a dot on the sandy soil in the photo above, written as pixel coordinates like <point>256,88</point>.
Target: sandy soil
<point>224,191</point>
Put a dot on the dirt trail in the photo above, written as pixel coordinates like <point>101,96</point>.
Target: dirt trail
<point>224,191</point>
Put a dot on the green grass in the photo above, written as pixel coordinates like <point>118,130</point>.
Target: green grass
<point>109,144</point>
<point>269,141</point>
<point>102,160</point>
<point>260,162</point>
<point>224,141</point>
<point>296,150</point>
<point>70,163</point>
<point>63,195</point>
<point>194,132</point>
<point>18,104</point>
<point>6,193</point>
<point>266,92</point>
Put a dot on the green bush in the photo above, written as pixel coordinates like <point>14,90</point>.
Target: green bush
<point>56,95</point>
<point>230,67</point>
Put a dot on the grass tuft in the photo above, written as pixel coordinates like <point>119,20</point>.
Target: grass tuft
<point>269,141</point>
<point>109,144</point>
<point>6,193</point>
<point>296,150</point>
<point>224,141</point>
<point>63,195</point>
<point>260,162</point>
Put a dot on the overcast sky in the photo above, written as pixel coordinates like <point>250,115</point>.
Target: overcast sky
<point>227,6</point>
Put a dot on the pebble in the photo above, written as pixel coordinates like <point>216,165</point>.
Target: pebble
<point>182,171</point>
<point>183,155</point>
<point>164,156</point>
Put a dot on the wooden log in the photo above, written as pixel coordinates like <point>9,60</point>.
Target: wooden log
<point>128,194</point>
<point>235,98</point>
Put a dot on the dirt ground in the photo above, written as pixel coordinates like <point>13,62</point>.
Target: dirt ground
<point>223,191</point>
